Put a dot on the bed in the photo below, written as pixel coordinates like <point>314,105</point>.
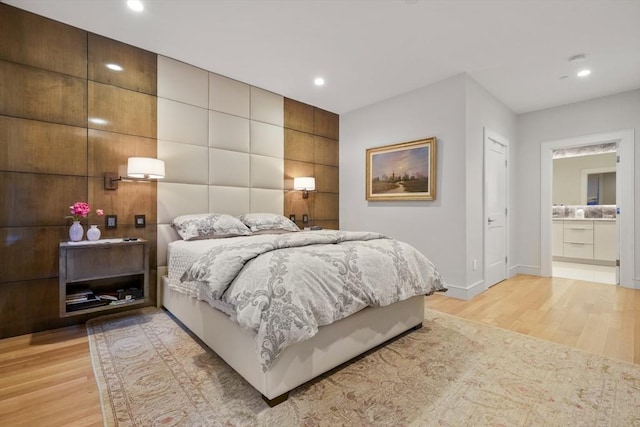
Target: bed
<point>282,306</point>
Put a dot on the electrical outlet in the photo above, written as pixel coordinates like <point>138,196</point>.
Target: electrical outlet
<point>475,265</point>
<point>305,218</point>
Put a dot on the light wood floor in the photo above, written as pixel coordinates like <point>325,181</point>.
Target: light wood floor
<point>598,318</point>
<point>46,379</point>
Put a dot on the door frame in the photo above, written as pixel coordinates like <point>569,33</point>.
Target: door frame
<point>491,135</point>
<point>625,203</point>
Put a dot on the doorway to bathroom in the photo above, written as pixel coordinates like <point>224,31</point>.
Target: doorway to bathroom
<point>590,220</point>
<point>585,233</point>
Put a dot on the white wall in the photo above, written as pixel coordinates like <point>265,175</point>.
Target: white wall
<point>607,114</point>
<point>483,110</point>
<point>449,229</point>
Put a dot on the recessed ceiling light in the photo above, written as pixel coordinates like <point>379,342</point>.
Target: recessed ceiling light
<point>135,5</point>
<point>319,81</point>
<point>584,73</point>
<point>114,67</point>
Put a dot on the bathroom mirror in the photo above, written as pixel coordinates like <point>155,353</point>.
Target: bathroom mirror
<point>601,188</point>
<point>586,179</point>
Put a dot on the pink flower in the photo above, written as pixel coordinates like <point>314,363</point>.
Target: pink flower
<point>81,210</point>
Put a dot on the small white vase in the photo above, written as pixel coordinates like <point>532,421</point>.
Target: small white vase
<point>76,231</point>
<point>93,233</point>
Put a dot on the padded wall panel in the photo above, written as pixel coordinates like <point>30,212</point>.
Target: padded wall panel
<point>180,199</point>
<point>30,39</point>
<point>267,172</point>
<point>267,140</point>
<point>267,106</point>
<point>138,65</point>
<point>266,200</point>
<point>40,147</point>
<point>166,235</point>
<point>36,94</point>
<point>228,96</point>
<point>229,200</point>
<point>180,122</point>
<point>184,163</point>
<point>182,82</point>
<point>229,132</point>
<point>228,168</point>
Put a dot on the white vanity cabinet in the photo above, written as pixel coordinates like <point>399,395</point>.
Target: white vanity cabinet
<point>558,238</point>
<point>578,239</point>
<point>585,239</point>
<point>605,240</point>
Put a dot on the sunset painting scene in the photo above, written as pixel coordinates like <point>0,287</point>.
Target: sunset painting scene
<point>402,171</point>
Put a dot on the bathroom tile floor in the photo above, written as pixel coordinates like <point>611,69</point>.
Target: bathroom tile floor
<point>586,272</point>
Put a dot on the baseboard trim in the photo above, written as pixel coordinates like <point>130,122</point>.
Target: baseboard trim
<point>528,269</point>
<point>467,293</point>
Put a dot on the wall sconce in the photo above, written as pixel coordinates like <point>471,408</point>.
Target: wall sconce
<point>138,169</point>
<point>304,184</point>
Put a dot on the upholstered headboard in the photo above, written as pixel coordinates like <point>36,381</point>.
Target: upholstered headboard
<point>223,146</point>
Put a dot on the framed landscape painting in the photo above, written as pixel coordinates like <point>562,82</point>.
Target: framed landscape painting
<point>405,171</point>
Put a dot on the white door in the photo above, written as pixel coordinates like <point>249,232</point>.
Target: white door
<point>495,208</point>
<point>619,194</point>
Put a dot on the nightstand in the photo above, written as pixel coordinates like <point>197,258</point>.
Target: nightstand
<point>103,275</point>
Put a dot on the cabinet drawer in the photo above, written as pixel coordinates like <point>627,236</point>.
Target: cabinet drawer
<point>578,250</point>
<point>578,235</point>
<point>104,261</point>
<point>581,224</point>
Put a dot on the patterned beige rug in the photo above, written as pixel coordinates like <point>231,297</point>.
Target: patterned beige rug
<point>452,372</point>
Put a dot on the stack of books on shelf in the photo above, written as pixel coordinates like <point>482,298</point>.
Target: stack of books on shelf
<point>80,299</point>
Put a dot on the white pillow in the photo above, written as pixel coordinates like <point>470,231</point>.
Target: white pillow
<point>263,223</point>
<point>208,226</point>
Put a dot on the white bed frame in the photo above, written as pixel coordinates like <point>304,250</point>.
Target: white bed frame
<point>334,344</point>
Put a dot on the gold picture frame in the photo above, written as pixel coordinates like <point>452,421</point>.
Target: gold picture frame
<point>405,171</point>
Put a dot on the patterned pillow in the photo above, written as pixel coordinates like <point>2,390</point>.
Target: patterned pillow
<point>208,226</point>
<point>263,223</point>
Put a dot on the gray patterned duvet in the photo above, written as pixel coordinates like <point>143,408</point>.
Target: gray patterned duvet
<point>284,286</point>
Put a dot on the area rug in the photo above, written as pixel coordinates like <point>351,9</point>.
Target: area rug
<point>452,372</point>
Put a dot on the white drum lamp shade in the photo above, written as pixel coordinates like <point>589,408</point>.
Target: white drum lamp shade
<point>303,183</point>
<point>145,168</point>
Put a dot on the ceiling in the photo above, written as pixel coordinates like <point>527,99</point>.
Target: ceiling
<point>370,50</point>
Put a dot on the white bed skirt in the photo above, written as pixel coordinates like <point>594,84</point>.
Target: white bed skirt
<point>333,345</point>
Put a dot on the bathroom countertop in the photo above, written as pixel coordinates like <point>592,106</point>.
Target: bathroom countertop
<point>585,219</point>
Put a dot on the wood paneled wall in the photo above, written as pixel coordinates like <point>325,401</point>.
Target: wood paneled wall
<point>53,82</point>
<point>311,149</point>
